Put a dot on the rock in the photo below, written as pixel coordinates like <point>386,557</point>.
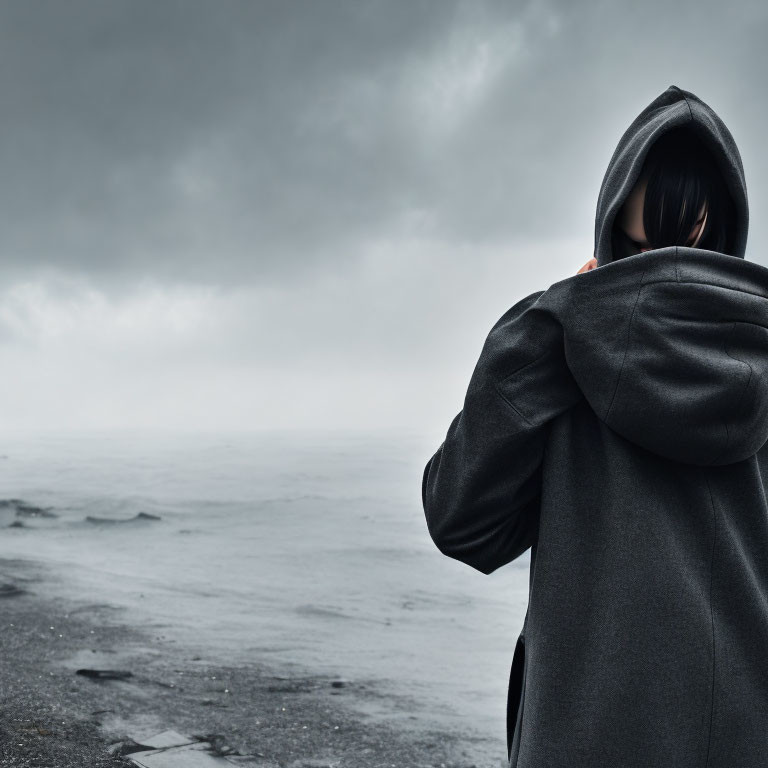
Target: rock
<point>23,509</point>
<point>218,744</point>
<point>112,520</point>
<point>127,747</point>
<point>170,749</point>
<point>30,510</point>
<point>167,739</point>
<point>298,687</point>
<point>10,590</point>
<point>105,674</point>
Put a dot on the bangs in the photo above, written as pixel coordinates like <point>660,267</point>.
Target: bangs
<point>683,177</point>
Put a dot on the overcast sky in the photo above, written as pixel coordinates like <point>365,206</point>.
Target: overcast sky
<point>309,214</point>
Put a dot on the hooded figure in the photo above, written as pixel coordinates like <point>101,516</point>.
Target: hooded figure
<point>616,424</point>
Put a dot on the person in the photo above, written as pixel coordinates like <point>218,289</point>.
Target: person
<point>616,424</point>
<point>679,176</point>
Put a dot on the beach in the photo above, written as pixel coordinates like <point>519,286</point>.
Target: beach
<point>234,576</point>
<point>52,716</point>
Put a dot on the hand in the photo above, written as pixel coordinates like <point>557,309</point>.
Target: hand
<point>591,264</point>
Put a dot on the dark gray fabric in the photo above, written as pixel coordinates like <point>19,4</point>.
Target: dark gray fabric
<point>616,424</point>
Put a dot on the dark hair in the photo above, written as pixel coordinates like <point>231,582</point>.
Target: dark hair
<point>682,174</point>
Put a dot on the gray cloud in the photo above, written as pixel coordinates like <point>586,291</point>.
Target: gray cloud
<point>200,140</point>
<point>311,212</point>
<point>238,141</point>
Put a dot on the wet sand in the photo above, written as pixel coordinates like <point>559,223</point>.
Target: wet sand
<point>53,717</point>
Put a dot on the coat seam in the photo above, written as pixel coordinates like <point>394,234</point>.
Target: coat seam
<point>499,384</point>
<point>690,113</point>
<point>709,284</point>
<point>712,619</point>
<point>626,348</point>
<point>738,406</point>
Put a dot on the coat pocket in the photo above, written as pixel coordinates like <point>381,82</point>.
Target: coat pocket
<point>515,700</point>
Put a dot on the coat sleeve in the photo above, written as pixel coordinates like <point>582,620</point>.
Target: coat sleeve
<point>482,487</point>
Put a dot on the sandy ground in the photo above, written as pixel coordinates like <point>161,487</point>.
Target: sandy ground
<point>53,717</point>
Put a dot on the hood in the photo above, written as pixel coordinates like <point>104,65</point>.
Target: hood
<point>670,346</point>
<point>674,107</point>
<point>670,349</point>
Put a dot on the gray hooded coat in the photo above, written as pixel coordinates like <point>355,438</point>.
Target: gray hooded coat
<point>616,424</point>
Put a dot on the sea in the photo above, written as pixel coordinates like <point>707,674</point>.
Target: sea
<point>303,550</point>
